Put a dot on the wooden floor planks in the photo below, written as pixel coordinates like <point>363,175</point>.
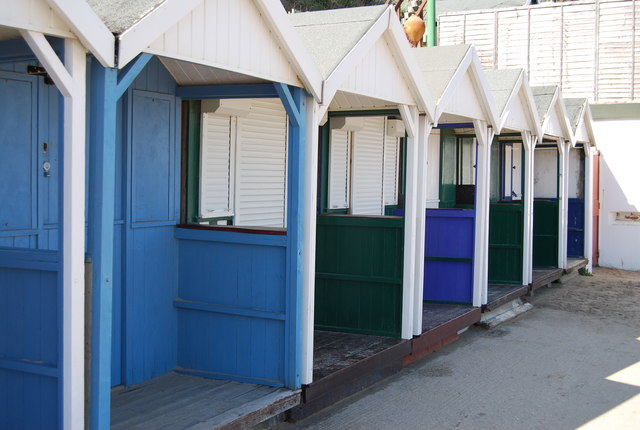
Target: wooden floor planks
<point>178,401</point>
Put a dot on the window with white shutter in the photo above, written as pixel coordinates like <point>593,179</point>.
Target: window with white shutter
<point>261,165</point>
<point>339,169</point>
<point>243,164</point>
<point>216,165</point>
<point>368,153</point>
<point>391,167</point>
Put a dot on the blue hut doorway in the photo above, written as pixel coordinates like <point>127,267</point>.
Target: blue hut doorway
<point>450,229</point>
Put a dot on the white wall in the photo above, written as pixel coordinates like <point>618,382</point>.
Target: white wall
<point>545,173</point>
<point>619,145</point>
<point>576,173</point>
<point>433,169</point>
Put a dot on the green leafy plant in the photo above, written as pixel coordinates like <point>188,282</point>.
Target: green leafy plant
<point>584,271</point>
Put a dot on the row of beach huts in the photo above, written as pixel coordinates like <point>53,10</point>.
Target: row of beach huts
<point>214,212</point>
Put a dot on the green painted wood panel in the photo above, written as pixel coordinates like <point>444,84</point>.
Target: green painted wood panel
<point>545,233</point>
<point>359,266</point>
<point>506,243</point>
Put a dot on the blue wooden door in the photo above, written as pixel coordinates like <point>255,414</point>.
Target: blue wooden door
<point>449,246</point>
<point>30,298</point>
<point>575,231</point>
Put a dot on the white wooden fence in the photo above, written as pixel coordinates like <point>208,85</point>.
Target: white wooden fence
<point>590,48</point>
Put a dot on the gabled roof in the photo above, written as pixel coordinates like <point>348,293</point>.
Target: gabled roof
<point>444,68</point>
<point>579,115</point>
<point>120,15</point>
<point>513,98</point>
<point>552,112</point>
<point>340,40</point>
<point>329,35</point>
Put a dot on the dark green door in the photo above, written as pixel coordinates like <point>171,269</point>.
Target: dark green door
<point>545,233</point>
<point>505,243</point>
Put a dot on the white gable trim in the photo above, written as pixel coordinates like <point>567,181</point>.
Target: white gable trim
<point>408,63</point>
<point>557,108</point>
<point>349,62</point>
<point>88,27</point>
<point>386,25</point>
<point>471,64</point>
<point>292,45</point>
<point>135,39</point>
<point>522,90</point>
<point>33,15</point>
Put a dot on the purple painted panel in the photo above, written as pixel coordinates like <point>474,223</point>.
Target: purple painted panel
<point>448,281</point>
<point>449,233</point>
<point>449,248</point>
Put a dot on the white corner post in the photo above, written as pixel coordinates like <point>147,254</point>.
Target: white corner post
<point>73,233</point>
<point>410,117</point>
<point>588,205</point>
<point>563,201</point>
<point>309,249</point>
<point>424,129</point>
<point>484,135</point>
<point>529,142</point>
<point>70,79</point>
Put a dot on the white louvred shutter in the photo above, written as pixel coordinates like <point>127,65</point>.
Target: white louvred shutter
<point>339,154</point>
<point>216,160</point>
<point>368,150</point>
<point>391,161</point>
<point>261,165</point>
<point>517,171</point>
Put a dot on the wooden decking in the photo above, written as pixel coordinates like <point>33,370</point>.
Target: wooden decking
<point>545,276</point>
<point>440,325</point>
<point>500,294</point>
<point>574,264</point>
<point>176,401</point>
<point>346,363</point>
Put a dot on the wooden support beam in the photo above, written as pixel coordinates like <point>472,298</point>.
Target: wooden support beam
<point>251,91</point>
<point>88,27</point>
<point>73,232</point>
<point>286,97</point>
<point>46,55</point>
<point>104,97</point>
<point>130,73</point>
<point>310,213</point>
<point>295,242</point>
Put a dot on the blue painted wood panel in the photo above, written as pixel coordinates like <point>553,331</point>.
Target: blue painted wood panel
<point>29,119</point>
<point>232,305</point>
<point>149,248</point>
<point>18,156</point>
<point>449,248</point>
<point>30,322</point>
<point>575,232</point>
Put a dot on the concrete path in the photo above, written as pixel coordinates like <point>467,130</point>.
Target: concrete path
<point>573,361</point>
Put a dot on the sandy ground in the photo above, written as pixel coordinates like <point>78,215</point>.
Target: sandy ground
<point>610,294</point>
<point>573,361</point>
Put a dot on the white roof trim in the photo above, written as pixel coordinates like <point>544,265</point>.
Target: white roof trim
<point>522,87</point>
<point>136,39</point>
<point>337,77</point>
<point>410,66</point>
<point>88,27</point>
<point>292,45</point>
<point>557,105</point>
<point>471,63</point>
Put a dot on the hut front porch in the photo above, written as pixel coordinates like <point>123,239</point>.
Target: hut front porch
<point>441,324</point>
<point>500,294</point>
<point>346,363</point>
<point>179,401</point>
<point>544,276</point>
